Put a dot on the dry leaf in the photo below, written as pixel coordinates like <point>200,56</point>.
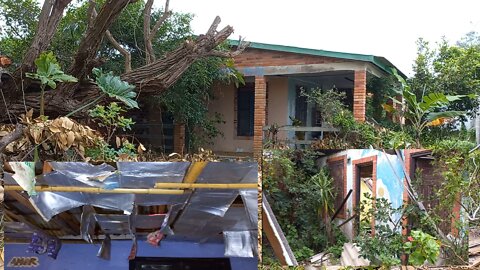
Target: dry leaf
<point>70,138</point>
<point>118,141</point>
<point>141,149</point>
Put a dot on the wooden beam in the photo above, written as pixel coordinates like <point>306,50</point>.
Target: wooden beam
<point>59,220</point>
<point>275,236</point>
<point>20,218</point>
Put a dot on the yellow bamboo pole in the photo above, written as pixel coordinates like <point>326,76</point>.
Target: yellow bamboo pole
<point>194,171</point>
<point>99,190</point>
<point>208,185</point>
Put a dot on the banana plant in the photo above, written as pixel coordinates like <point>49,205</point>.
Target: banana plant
<point>426,112</point>
<point>48,73</point>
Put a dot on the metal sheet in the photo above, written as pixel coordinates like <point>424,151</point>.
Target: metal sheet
<point>146,174</point>
<point>50,204</point>
<point>161,199</point>
<point>84,172</point>
<point>238,244</point>
<point>229,172</point>
<point>215,202</point>
<point>250,200</point>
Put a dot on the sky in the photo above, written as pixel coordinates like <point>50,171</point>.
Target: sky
<point>377,27</point>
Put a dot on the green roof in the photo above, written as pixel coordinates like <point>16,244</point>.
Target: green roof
<point>379,61</point>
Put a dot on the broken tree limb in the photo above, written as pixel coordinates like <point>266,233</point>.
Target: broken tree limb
<point>153,78</point>
<point>15,135</point>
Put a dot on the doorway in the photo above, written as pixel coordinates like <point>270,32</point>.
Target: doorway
<point>364,186</point>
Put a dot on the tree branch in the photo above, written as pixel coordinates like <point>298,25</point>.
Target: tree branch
<point>89,45</point>
<point>149,34</point>
<point>50,16</point>
<point>15,135</point>
<point>117,46</point>
<point>240,48</point>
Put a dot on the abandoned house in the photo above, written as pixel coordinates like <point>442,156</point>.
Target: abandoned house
<point>274,75</point>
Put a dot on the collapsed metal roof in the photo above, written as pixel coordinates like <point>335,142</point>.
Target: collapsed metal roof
<point>189,214</point>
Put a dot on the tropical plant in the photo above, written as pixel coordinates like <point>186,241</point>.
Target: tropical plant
<point>114,87</point>
<point>421,247</point>
<point>323,185</point>
<point>48,73</point>
<point>430,111</point>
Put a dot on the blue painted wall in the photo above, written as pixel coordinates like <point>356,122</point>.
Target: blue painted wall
<point>83,256</point>
<point>390,177</point>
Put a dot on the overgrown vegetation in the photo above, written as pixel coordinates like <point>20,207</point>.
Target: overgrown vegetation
<point>302,197</point>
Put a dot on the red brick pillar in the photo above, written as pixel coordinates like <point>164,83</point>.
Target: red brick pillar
<point>360,95</point>
<point>259,114</point>
<point>179,138</point>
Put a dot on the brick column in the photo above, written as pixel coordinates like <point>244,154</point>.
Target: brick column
<point>360,95</point>
<point>179,138</point>
<point>259,114</point>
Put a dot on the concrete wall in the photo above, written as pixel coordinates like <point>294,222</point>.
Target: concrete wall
<point>389,182</point>
<point>224,104</point>
<point>278,103</point>
<point>83,256</point>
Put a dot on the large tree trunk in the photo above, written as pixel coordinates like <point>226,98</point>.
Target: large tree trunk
<point>153,78</point>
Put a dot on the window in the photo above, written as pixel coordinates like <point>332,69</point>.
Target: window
<point>245,104</point>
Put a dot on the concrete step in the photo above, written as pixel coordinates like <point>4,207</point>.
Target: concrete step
<point>351,256</point>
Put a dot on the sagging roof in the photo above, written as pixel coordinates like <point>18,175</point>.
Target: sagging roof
<point>194,215</point>
<point>379,61</point>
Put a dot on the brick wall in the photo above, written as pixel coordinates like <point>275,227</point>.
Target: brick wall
<point>360,95</point>
<point>259,114</point>
<point>179,138</point>
<point>256,57</point>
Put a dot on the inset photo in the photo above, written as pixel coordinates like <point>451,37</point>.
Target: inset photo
<point>366,207</point>
<point>131,215</point>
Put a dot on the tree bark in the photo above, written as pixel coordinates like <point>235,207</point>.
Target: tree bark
<point>149,34</point>
<point>15,135</point>
<point>50,16</point>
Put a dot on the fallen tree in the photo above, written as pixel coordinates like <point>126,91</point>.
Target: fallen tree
<point>153,78</point>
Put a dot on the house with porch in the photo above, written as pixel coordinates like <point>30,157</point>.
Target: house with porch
<point>274,76</point>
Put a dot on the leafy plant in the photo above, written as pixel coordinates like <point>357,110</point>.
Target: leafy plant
<point>421,247</point>
<point>114,87</point>
<point>430,111</point>
<point>49,73</point>
<point>386,246</point>
<point>323,185</point>
<point>110,117</point>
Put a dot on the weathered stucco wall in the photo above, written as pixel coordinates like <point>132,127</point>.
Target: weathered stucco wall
<point>224,104</point>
